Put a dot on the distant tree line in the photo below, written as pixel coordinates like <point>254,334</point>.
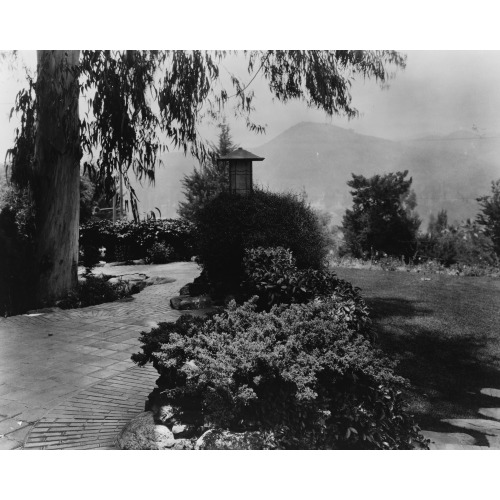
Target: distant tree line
<point>383,221</point>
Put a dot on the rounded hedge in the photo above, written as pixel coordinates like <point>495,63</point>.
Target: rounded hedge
<point>229,224</point>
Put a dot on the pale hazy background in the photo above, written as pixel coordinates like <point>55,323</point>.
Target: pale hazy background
<point>439,92</point>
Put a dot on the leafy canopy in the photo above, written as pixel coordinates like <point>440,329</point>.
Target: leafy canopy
<point>141,103</point>
<point>210,179</point>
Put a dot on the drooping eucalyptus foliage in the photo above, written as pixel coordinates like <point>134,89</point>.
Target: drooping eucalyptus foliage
<point>143,103</point>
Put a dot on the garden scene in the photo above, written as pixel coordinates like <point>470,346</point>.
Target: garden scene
<point>266,305</point>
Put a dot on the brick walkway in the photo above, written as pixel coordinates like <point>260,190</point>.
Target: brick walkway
<point>91,418</point>
<point>66,378</point>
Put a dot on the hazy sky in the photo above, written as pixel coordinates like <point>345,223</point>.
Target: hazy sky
<point>438,92</point>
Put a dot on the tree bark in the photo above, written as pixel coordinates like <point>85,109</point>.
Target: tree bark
<point>57,174</point>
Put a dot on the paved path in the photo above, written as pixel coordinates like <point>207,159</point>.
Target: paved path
<point>66,377</point>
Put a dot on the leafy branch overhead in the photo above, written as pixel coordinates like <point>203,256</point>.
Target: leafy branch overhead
<point>141,103</point>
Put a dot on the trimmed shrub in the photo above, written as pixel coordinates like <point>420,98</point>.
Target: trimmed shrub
<point>127,240</point>
<point>271,274</point>
<point>229,224</point>
<point>296,371</point>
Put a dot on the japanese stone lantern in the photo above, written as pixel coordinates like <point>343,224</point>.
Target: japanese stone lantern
<point>240,170</point>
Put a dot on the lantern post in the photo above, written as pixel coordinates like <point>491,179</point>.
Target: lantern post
<point>240,170</point>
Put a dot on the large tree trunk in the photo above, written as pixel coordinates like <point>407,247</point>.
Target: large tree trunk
<point>57,174</point>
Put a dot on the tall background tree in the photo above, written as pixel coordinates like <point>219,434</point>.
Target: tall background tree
<point>382,218</point>
<point>210,179</point>
<point>438,224</point>
<point>123,131</point>
<point>489,217</point>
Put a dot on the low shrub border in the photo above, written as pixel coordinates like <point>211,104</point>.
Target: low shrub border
<point>419,266</point>
<point>298,371</point>
<point>93,290</point>
<point>129,240</point>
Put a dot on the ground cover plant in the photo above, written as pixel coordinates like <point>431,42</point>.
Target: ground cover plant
<point>93,290</point>
<point>443,330</point>
<point>298,372</point>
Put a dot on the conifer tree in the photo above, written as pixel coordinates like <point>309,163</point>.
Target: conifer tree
<point>210,179</point>
<point>489,217</point>
<point>382,217</point>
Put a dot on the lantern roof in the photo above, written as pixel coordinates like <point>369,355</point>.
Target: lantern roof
<point>240,154</point>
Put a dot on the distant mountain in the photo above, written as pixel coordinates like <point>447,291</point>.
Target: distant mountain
<point>449,172</point>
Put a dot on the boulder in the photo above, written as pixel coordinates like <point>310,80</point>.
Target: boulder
<point>217,439</point>
<point>196,288</point>
<point>183,431</point>
<point>165,415</point>
<point>185,302</point>
<point>158,280</point>
<point>142,433</point>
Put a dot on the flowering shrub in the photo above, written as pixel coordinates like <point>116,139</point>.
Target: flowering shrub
<point>128,240</point>
<point>298,371</point>
<point>159,253</point>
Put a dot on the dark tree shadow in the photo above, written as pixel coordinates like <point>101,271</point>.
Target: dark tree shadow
<point>382,307</point>
<point>447,369</point>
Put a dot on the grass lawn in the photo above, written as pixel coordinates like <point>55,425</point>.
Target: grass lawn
<point>445,333</point>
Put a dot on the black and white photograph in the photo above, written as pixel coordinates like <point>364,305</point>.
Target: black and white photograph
<point>281,254</point>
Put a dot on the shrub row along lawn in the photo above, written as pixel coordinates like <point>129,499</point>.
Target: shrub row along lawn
<point>445,332</point>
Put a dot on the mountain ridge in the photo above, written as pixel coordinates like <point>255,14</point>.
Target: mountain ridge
<point>319,158</point>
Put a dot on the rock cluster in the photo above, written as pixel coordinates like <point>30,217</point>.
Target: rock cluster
<point>169,427</point>
<point>144,433</point>
<point>136,282</point>
<point>186,302</point>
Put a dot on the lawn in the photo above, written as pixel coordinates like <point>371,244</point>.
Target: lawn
<point>445,332</point>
